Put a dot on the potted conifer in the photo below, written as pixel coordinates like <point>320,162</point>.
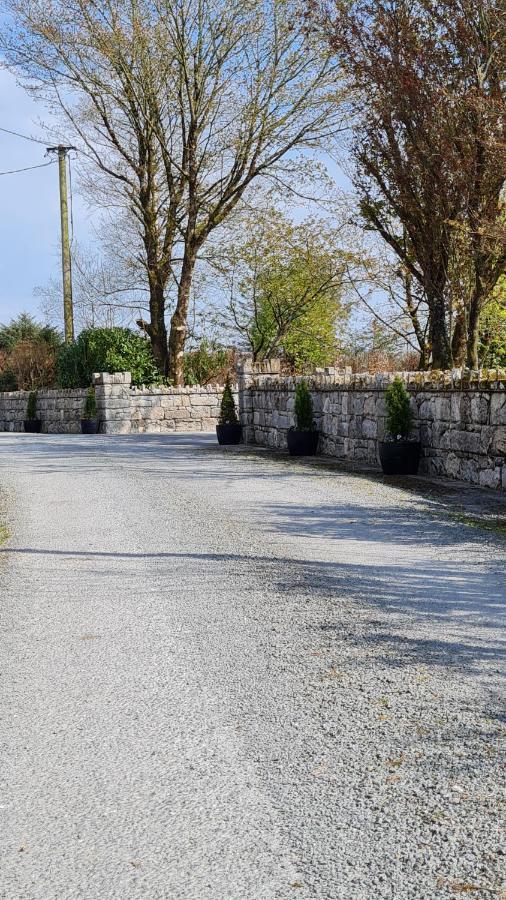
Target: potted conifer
<point>89,421</point>
<point>399,455</point>
<point>229,429</point>
<point>303,439</point>
<point>32,424</point>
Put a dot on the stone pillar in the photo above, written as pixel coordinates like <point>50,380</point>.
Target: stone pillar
<point>245,370</point>
<point>113,402</point>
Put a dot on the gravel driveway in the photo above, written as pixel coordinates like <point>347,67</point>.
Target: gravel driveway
<point>228,677</point>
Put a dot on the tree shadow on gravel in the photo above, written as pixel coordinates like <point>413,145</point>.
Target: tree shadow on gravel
<point>437,614</point>
<point>171,455</point>
<point>394,524</point>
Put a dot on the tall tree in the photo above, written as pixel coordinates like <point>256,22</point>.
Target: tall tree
<point>429,111</point>
<point>180,105</point>
<point>285,287</point>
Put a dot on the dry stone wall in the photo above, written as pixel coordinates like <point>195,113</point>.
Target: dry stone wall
<point>121,408</point>
<point>60,411</point>
<point>461,423</point>
<point>159,410</point>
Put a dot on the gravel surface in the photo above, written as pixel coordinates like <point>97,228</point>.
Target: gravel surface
<point>228,677</point>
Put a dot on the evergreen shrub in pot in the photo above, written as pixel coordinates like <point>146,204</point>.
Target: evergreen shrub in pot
<point>89,421</point>
<point>229,429</point>
<point>399,455</point>
<point>303,439</point>
<point>32,424</point>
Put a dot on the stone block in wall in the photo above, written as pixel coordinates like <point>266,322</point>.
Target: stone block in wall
<point>490,478</point>
<point>199,400</point>
<point>155,414</point>
<point>480,407</point>
<point>369,428</point>
<point>369,405</point>
<point>498,442</point>
<point>427,410</point>
<point>455,408</point>
<point>451,465</point>
<point>443,408</point>
<point>357,404</point>
<point>464,441</point>
<point>498,408</point>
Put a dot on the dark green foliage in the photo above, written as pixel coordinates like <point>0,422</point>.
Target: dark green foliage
<point>208,363</point>
<point>25,328</point>
<point>399,412</point>
<point>228,414</point>
<point>106,350</point>
<point>31,409</point>
<point>8,381</point>
<point>303,408</point>
<point>90,405</point>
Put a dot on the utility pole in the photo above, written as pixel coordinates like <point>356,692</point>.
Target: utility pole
<point>68,309</point>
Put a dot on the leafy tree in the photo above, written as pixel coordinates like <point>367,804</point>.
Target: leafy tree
<point>428,81</point>
<point>25,328</point>
<point>28,353</point>
<point>312,340</point>
<point>207,363</point>
<point>33,364</point>
<point>106,350</point>
<point>492,348</point>
<point>286,285</point>
<point>179,105</point>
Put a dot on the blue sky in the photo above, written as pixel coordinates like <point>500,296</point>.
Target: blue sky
<point>29,206</point>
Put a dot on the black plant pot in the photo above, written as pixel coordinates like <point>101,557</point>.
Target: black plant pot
<point>89,426</point>
<point>302,443</point>
<point>400,457</point>
<point>229,434</point>
<point>32,426</point>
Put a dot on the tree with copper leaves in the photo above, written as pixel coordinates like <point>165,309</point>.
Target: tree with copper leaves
<point>429,145</point>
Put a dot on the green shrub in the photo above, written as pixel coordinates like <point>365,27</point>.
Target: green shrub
<point>303,408</point>
<point>31,408</point>
<point>8,380</point>
<point>106,350</point>
<point>399,412</point>
<point>208,363</point>
<point>228,413</point>
<point>25,328</point>
<point>90,405</point>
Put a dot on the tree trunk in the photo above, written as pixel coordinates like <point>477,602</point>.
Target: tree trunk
<point>156,329</point>
<point>441,350</point>
<point>459,339</point>
<point>473,335</point>
<point>179,321</point>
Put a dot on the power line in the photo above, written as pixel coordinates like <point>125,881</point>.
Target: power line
<point>29,168</point>
<point>24,136</point>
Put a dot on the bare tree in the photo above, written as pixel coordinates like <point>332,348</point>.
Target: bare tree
<point>180,105</point>
<point>106,292</point>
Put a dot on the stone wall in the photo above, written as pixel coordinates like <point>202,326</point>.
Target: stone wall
<point>461,423</point>
<point>159,410</point>
<point>60,411</point>
<point>121,408</point>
